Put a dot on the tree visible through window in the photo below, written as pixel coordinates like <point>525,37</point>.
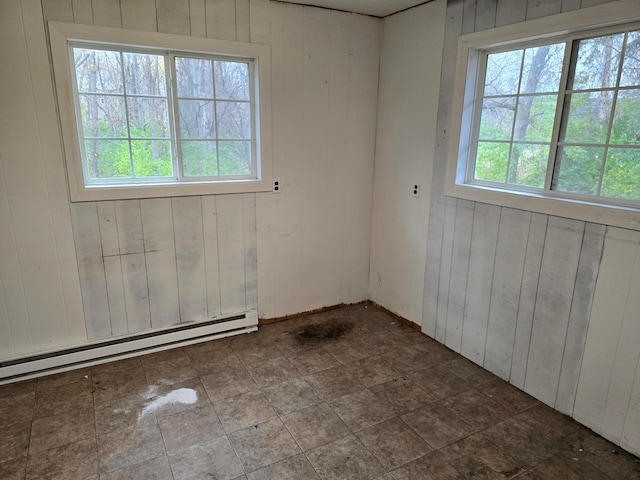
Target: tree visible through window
<point>148,116</point>
<point>561,117</point>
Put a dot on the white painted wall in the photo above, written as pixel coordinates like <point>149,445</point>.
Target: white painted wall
<point>522,293</point>
<point>410,62</point>
<point>314,236</point>
<point>72,272</point>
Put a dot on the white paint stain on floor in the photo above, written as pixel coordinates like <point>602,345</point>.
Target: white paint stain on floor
<point>186,396</point>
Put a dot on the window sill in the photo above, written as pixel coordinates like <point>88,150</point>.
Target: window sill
<point>125,192</point>
<point>617,216</point>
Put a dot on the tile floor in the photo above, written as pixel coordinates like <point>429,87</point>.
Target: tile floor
<point>346,394</point>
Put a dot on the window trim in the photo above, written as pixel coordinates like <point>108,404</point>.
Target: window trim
<point>62,34</point>
<point>467,73</point>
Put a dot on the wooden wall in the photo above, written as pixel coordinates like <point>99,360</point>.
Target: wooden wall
<point>72,272</point>
<point>407,113</point>
<point>514,290</point>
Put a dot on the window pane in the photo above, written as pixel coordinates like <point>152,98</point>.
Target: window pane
<point>579,169</point>
<point>542,68</point>
<point>503,73</point>
<point>597,62</point>
<point>588,118</point>
<point>631,64</point>
<point>622,174</point>
<point>197,119</point>
<point>148,117</point>
<point>235,158</point>
<point>194,78</point>
<point>626,121</point>
<point>107,158</point>
<point>491,161</point>
<point>98,71</point>
<point>232,80</point>
<point>234,120</point>
<point>144,74</point>
<point>528,165</point>
<point>497,118</point>
<point>534,121</point>
<point>103,116</point>
<point>199,159</point>
<point>151,158</point>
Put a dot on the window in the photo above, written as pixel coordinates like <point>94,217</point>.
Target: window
<point>551,122</point>
<point>160,115</point>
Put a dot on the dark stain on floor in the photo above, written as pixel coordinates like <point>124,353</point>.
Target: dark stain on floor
<point>322,332</point>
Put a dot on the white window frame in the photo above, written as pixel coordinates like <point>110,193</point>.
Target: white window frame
<point>463,113</point>
<point>64,34</point>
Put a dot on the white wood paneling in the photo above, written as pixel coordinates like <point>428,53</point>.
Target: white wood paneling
<point>486,221</point>
<point>553,303</point>
<point>459,274</point>
<point>108,228</point>
<point>83,11</point>
<point>138,15</point>
<point>505,290</point>
<point>26,187</point>
<point>173,16</point>
<point>190,261</point>
<point>231,252</point>
<point>445,268</point>
<point>160,256</point>
<point>585,284</point>
<point>404,157</point>
<point>93,280</point>
<point>198,20</point>
<point>221,19</point>
<point>550,287</point>
<point>364,67</point>
<point>528,295</point>
<point>615,280</point>
<point>106,13</point>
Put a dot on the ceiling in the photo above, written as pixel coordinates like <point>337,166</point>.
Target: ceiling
<point>377,8</point>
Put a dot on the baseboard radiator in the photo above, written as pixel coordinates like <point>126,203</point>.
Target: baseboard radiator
<point>94,353</point>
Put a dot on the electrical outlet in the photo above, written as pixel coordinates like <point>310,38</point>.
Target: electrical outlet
<point>276,186</point>
<point>415,190</point>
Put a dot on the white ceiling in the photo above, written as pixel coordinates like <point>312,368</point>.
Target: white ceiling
<point>377,8</point>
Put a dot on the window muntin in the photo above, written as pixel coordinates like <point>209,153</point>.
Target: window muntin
<point>538,129</point>
<point>136,126</point>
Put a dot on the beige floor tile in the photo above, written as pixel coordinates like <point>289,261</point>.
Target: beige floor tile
<point>334,383</point>
<point>478,410</point>
<point>154,469</point>
<point>13,469</point>
<point>478,457</point>
<point>14,441</point>
<point>244,410</point>
<point>190,427</point>
<point>291,396</point>
<point>437,425</point>
<point>292,468</point>
<point>263,444</point>
<point>345,458</point>
<point>393,443</point>
<point>402,394</point>
<point>17,408</point>
<point>126,447</point>
<point>229,381</point>
<point>362,409</point>
<point>76,460</point>
<point>62,429</point>
<point>54,399</point>
<point>213,459</point>
<point>431,466</point>
<point>272,371</point>
<point>315,426</point>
